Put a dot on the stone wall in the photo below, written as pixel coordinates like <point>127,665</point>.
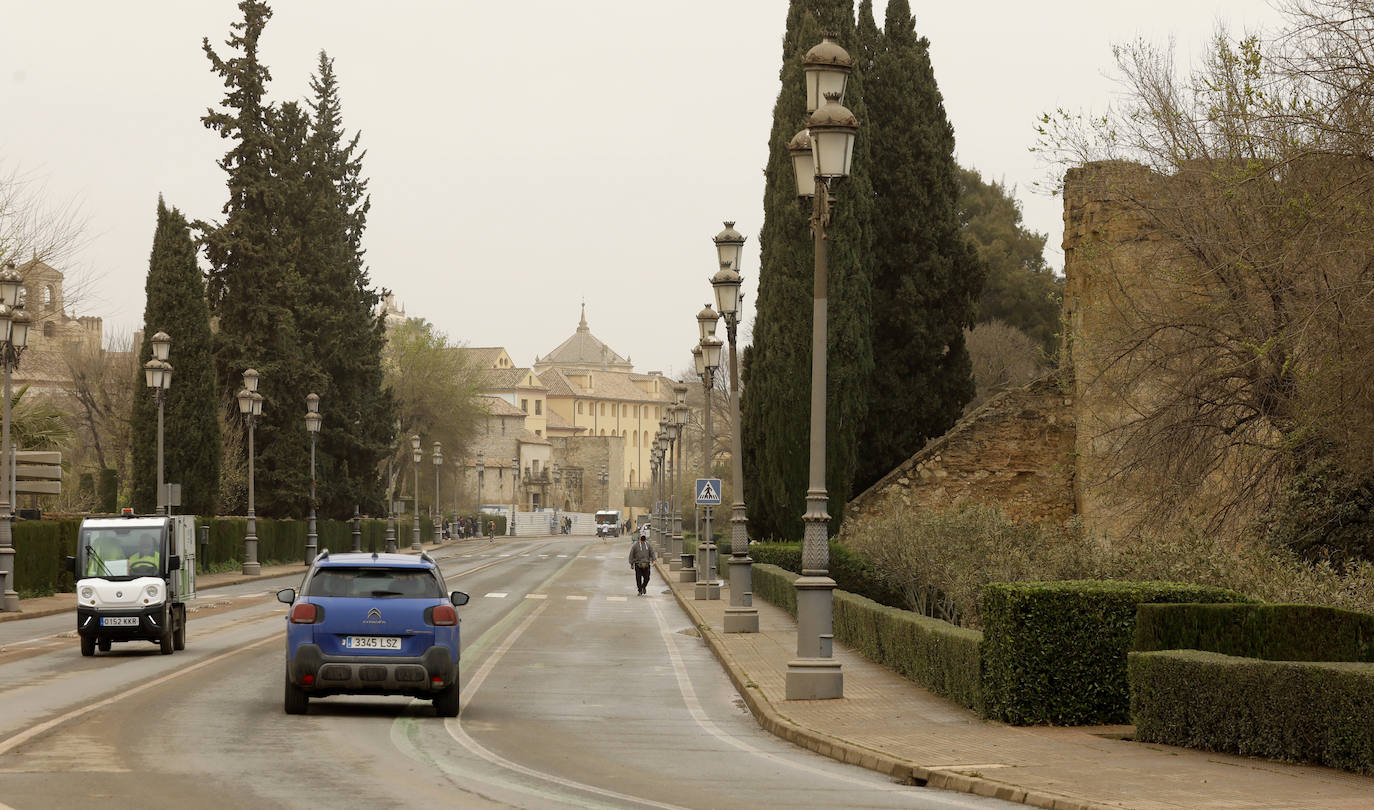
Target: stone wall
<point>1015,452</point>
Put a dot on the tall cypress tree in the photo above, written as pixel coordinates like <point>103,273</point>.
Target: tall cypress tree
<point>778,366</point>
<point>176,305</point>
<point>340,322</point>
<point>926,277</point>
<point>253,285</point>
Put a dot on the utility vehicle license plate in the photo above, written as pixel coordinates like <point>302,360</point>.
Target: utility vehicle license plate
<point>372,642</point>
<point>119,621</point>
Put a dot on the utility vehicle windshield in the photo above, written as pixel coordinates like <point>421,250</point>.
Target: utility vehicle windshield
<point>134,551</point>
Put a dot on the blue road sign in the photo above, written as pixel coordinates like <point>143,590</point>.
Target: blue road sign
<point>708,491</point>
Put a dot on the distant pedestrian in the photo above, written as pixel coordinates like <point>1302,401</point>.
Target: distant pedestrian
<point>491,531</point>
<point>641,555</point>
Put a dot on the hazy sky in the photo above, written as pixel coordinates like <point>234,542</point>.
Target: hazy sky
<point>523,156</point>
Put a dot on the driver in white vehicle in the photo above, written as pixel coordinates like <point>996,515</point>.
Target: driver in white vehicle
<point>146,560</point>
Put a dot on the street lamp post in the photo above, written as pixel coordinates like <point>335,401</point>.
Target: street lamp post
<point>741,616</point>
<point>679,413</point>
<point>157,374</point>
<point>481,470</point>
<point>14,337</point>
<point>821,154</point>
<point>438,458</point>
<point>250,406</point>
<point>415,455</point>
<point>514,492</point>
<point>557,480</point>
<point>312,426</point>
<point>709,588</point>
<point>605,490</point>
<point>390,506</point>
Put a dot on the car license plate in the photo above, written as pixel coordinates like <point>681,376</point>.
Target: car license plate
<point>372,642</point>
<point>119,621</point>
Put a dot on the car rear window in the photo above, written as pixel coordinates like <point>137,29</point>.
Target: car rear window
<point>374,582</point>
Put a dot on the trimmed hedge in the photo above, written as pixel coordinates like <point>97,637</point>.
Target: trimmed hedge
<point>939,656</point>
<point>935,654</point>
<point>1055,652</point>
<point>850,571</point>
<point>1316,712</point>
<point>41,548</point>
<point>775,585</point>
<point>1270,632</point>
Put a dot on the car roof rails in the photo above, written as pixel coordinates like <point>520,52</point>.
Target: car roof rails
<point>425,556</point>
<point>323,555</point>
<point>374,556</point>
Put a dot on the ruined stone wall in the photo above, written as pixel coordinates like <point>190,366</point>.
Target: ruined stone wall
<point>1015,452</point>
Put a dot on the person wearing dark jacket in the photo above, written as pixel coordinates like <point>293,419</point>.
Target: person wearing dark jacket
<point>641,555</point>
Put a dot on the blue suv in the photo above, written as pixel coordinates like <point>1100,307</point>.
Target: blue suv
<point>372,624</point>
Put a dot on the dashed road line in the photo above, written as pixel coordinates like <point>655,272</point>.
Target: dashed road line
<point>497,595</point>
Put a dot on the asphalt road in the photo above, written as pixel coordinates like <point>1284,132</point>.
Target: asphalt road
<point>576,693</point>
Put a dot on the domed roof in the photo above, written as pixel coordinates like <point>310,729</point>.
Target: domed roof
<point>583,350</point>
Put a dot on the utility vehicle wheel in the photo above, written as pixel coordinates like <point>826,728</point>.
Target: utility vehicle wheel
<point>87,646</point>
<point>103,644</point>
<point>166,642</point>
<point>446,701</point>
<point>179,635</point>
<point>295,700</point>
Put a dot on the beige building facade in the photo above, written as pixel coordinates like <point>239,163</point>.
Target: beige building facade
<point>53,331</point>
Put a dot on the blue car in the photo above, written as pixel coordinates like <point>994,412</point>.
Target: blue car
<point>372,624</point>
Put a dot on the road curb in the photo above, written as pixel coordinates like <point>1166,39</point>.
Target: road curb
<point>779,725</point>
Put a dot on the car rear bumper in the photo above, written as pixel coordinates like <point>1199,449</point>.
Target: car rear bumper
<point>324,674</point>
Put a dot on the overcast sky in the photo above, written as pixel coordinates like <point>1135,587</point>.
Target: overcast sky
<point>525,156</point>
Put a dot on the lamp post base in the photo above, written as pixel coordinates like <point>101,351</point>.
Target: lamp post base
<point>687,569</point>
<point>252,569</point>
<point>708,590</point>
<point>741,616</point>
<point>814,679</point>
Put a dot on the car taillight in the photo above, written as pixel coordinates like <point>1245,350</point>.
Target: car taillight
<point>443,616</point>
<point>306,613</point>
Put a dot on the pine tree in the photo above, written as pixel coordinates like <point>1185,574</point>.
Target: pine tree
<point>176,305</point>
<point>778,365</point>
<point>254,286</point>
<point>926,278</point>
<point>340,322</point>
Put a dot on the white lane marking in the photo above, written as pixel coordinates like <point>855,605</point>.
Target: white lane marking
<point>575,598</point>
<point>497,595</point>
<point>689,697</point>
<point>503,555</point>
<point>28,734</point>
<point>457,732</point>
<point>536,596</point>
<point>562,555</point>
<point>615,598</point>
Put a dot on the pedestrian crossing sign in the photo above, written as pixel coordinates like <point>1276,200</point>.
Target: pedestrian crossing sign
<point>708,491</point>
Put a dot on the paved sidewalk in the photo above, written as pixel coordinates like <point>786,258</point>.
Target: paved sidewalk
<point>66,602</point>
<point>887,723</point>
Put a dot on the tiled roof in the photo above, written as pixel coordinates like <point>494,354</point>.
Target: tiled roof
<point>499,407</point>
<point>584,349</point>
<point>527,437</point>
<point>616,385</point>
<point>503,378</point>
<point>557,422</point>
<point>481,356</point>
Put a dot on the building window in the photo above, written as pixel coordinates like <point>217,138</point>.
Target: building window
<point>603,431</point>
<point>525,405</point>
<point>644,412</point>
<point>655,411</point>
<point>538,432</point>
<point>646,438</point>
<point>636,440</point>
<point>538,407</point>
<point>48,329</point>
<point>579,406</point>
<point>603,409</point>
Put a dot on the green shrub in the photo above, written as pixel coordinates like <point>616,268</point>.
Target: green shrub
<point>851,570</point>
<point>1270,632</point>
<point>775,585</point>
<point>1315,712</point>
<point>41,549</point>
<point>941,657</point>
<point>1055,652</point>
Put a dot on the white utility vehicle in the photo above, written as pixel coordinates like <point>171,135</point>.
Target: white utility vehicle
<point>133,577</point>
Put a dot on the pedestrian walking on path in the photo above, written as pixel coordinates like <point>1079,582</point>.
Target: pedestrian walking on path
<point>642,554</point>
